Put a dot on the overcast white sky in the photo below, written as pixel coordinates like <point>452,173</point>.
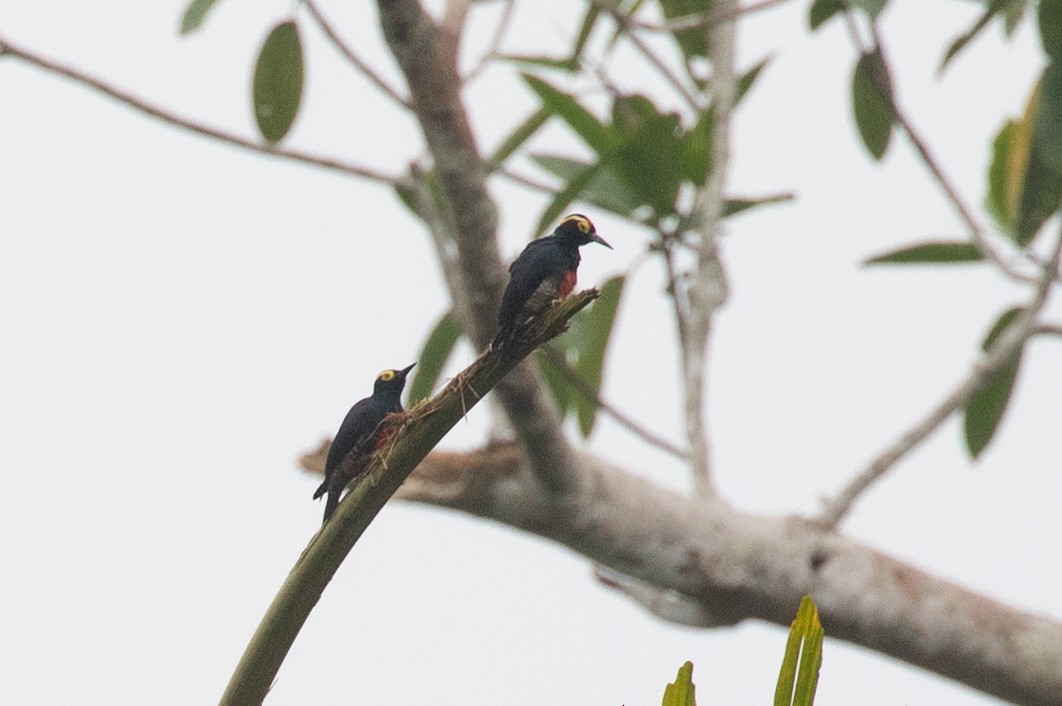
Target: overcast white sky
<point>181,320</point>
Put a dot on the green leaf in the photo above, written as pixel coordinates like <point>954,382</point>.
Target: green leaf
<point>747,79</point>
<point>734,206</point>
<point>1049,17</point>
<point>523,132</point>
<point>984,410</point>
<point>593,12</point>
<point>799,673</point>
<point>194,15</point>
<point>1033,188</point>
<point>604,190</point>
<point>996,200</point>
<point>871,7</point>
<point>544,62</point>
<point>652,144</point>
<point>1048,130</point>
<point>928,253</point>
<point>561,200</point>
<point>682,691</point>
<point>582,121</point>
<point>692,42</point>
<point>696,157</point>
<point>871,107</point>
<point>823,10</point>
<point>1012,14</point>
<point>596,331</point>
<point>278,82</point>
<point>960,42</point>
<point>433,357</point>
<point>556,380</point>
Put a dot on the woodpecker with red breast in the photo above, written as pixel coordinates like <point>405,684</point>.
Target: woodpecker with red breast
<point>544,271</point>
<point>360,435</point>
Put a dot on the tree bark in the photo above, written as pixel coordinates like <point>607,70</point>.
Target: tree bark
<point>736,566</point>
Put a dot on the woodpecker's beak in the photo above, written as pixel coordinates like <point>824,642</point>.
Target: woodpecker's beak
<point>405,371</point>
<point>598,239</point>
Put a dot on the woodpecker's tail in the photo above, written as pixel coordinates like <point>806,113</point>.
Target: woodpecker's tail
<point>321,489</point>
<point>330,503</point>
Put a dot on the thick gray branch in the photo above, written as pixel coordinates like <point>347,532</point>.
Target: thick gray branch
<point>738,566</point>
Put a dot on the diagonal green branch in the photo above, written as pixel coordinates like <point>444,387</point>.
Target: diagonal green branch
<point>419,430</point>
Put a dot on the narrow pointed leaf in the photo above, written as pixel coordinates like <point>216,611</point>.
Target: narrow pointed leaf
<point>734,206</point>
<point>277,90</point>
<point>597,325</point>
<point>1048,130</point>
<point>194,15</point>
<point>692,41</point>
<point>1033,188</point>
<point>870,105</point>
<point>542,62</point>
<point>871,7</point>
<point>823,10</point>
<point>799,674</point>
<point>523,132</point>
<point>748,79</point>
<point>1012,14</point>
<point>960,42</point>
<point>1049,16</point>
<point>929,253</point>
<point>682,691</point>
<point>593,12</point>
<point>604,190</point>
<point>556,380</point>
<point>560,202</point>
<point>582,121</point>
<point>997,201</point>
<point>984,410</point>
<point>433,357</point>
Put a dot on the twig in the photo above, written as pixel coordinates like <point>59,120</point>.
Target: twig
<point>701,20</point>
<point>580,385</point>
<point>165,116</point>
<point>707,290</point>
<point>670,76</point>
<point>1048,330</point>
<point>977,233</point>
<point>348,53</point>
<point>1001,352</point>
<point>500,30</point>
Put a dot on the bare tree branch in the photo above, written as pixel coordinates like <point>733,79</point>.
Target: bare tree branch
<point>738,566</point>
<point>1002,352</point>
<point>707,289</point>
<point>131,101</point>
<point>585,390</point>
<point>354,60</point>
<point>500,29</point>
<point>659,64</point>
<point>428,59</point>
<point>701,21</point>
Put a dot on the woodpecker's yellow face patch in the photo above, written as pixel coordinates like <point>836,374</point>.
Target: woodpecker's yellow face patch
<point>386,376</point>
<point>581,222</point>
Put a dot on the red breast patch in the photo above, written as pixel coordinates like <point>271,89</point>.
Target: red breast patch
<point>567,284</point>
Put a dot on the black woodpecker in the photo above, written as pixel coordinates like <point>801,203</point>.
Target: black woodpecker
<point>360,435</point>
<point>543,272</point>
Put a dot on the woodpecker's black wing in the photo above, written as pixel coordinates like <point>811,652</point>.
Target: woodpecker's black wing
<point>543,259</point>
<point>354,435</point>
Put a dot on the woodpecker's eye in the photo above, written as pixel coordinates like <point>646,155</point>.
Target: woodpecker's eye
<point>581,222</point>
<point>387,376</point>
